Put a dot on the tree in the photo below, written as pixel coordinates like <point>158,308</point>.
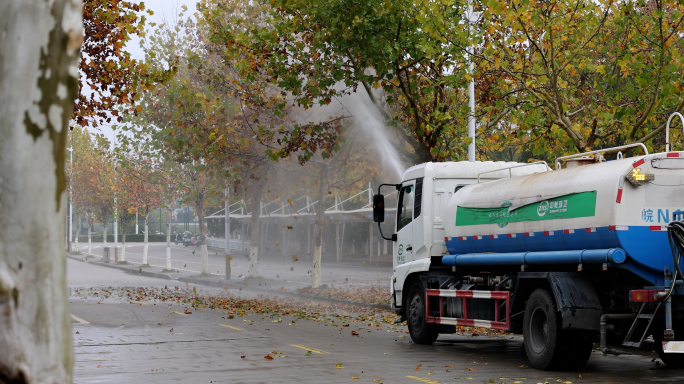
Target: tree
<point>113,80</point>
<point>39,51</point>
<point>318,51</point>
<point>575,75</point>
<point>82,193</point>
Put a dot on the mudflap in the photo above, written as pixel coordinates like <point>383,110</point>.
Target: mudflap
<point>575,295</point>
<point>577,301</point>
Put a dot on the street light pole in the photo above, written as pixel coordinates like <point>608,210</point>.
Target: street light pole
<point>471,89</point>
<point>71,166</point>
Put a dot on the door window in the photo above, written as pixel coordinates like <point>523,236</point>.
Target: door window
<point>406,202</point>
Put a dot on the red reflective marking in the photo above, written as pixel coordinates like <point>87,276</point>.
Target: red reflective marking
<point>638,163</point>
<point>612,227</point>
<point>655,228</point>
<point>619,196</point>
<point>673,154</point>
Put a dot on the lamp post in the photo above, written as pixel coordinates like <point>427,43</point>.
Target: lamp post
<point>71,166</point>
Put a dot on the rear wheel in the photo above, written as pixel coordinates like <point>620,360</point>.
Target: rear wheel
<point>540,330</point>
<point>673,360</point>
<point>420,331</point>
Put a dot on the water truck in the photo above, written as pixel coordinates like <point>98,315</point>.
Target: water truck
<point>567,257</point>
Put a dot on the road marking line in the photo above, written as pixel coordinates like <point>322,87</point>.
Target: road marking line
<point>80,321</point>
<point>424,380</point>
<point>310,349</point>
<point>180,313</point>
<point>231,327</point>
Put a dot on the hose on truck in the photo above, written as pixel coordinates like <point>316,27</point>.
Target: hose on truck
<point>675,235</point>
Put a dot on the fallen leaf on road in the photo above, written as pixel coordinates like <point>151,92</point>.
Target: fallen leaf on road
<point>417,368</point>
<point>291,268</point>
<point>339,366</point>
<point>171,330</point>
<point>355,378</point>
<point>268,357</point>
<point>78,333</point>
<point>242,357</point>
<point>231,316</point>
<point>354,333</point>
<point>471,369</point>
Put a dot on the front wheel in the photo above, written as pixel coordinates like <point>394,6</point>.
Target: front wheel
<point>420,331</point>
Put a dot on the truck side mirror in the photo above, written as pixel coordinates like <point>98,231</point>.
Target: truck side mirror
<point>378,208</point>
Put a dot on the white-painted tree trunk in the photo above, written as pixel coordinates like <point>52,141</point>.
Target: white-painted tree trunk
<point>253,261</point>
<point>104,233</point>
<point>122,256</point>
<point>39,52</point>
<point>90,240</point>
<point>318,228</point>
<point>146,244</point>
<point>168,238</point>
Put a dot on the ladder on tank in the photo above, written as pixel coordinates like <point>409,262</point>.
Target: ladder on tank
<point>641,325</point>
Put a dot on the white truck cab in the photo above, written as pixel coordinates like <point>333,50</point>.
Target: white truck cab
<point>419,232</point>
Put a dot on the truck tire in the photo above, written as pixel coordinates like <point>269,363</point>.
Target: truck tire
<point>576,349</point>
<point>542,336</point>
<point>672,360</point>
<point>420,331</point>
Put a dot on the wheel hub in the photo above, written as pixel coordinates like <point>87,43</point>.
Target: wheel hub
<point>415,313</point>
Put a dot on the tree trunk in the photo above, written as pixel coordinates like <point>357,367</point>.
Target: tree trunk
<point>90,242</point>
<point>39,53</point>
<point>168,237</point>
<point>203,238</point>
<point>257,191</point>
<point>145,243</point>
<point>78,232</point>
<point>122,258</point>
<point>104,232</point>
<point>320,223</point>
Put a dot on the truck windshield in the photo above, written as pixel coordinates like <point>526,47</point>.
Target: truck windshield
<point>406,198</point>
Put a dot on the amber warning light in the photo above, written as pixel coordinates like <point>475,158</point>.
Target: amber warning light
<point>636,177</point>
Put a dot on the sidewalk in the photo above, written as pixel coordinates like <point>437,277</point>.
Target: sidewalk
<point>279,278</point>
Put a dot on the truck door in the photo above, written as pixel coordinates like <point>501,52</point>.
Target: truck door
<point>403,247</point>
<point>410,242</point>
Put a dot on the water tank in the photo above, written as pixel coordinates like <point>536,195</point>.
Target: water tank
<point>593,206</point>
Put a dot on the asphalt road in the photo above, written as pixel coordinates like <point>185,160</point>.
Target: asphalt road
<point>123,334</point>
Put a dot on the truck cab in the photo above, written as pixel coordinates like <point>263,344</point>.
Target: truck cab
<point>424,193</point>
